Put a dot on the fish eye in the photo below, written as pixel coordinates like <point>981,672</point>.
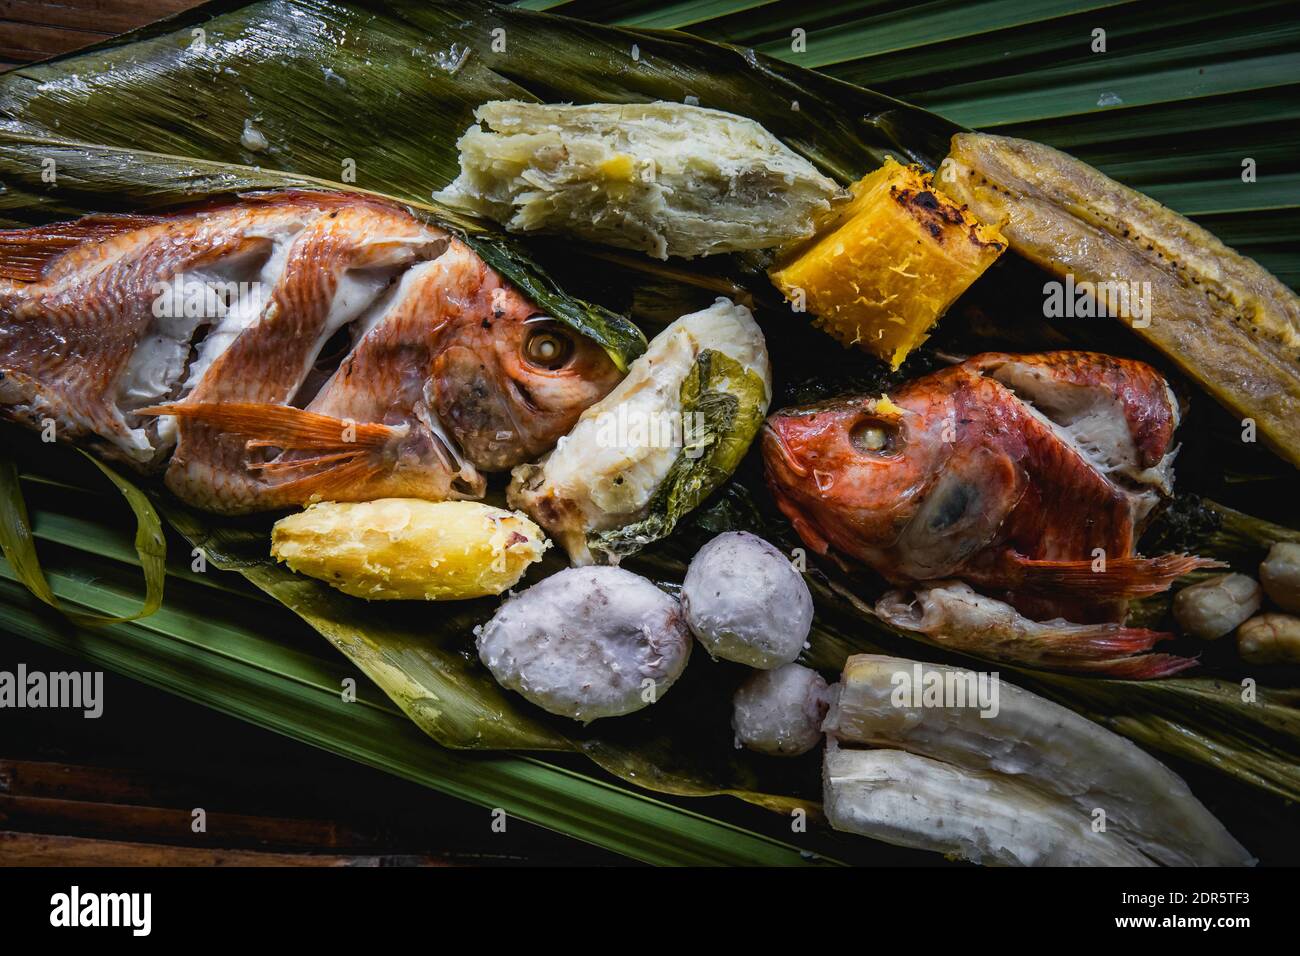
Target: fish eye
<point>548,349</point>
<point>874,437</point>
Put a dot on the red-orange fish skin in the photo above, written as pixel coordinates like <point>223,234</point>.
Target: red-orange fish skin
<point>442,350</point>
<point>972,478</point>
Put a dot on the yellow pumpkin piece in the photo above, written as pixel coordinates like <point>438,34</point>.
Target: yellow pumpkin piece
<point>881,273</point>
<point>409,549</point>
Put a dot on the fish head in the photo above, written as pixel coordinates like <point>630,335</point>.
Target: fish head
<point>914,486</point>
<point>511,383</point>
<point>848,472</point>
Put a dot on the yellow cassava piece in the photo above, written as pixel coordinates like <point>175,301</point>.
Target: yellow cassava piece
<point>409,549</point>
<point>883,271</point>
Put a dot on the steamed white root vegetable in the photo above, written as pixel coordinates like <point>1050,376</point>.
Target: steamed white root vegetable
<point>1270,639</point>
<point>1280,575</point>
<point>1041,745</point>
<point>408,548</point>
<point>668,179</point>
<point>1214,607</point>
<point>745,601</point>
<point>587,643</point>
<point>987,818</point>
<point>780,712</point>
<point>599,493</point>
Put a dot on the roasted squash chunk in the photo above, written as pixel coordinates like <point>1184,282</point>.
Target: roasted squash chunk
<point>883,271</point>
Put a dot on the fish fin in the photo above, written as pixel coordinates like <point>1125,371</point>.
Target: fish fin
<point>283,426</point>
<point>1137,667</point>
<point>347,453</point>
<point>24,253</point>
<point>336,483</point>
<point>281,465</point>
<point>1109,650</point>
<point>1122,578</point>
<point>1097,642</point>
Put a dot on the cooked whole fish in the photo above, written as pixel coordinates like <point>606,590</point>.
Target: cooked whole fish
<point>1028,476</point>
<point>205,341</point>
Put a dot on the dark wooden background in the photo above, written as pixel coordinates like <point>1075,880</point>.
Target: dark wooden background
<point>121,790</point>
<point>33,30</point>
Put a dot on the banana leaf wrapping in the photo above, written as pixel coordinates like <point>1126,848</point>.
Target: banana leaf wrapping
<point>372,96</point>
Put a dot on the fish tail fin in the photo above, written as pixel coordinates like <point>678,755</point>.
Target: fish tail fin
<point>1098,641</point>
<point>1110,650</point>
<point>1114,579</point>
<point>1138,667</point>
<point>24,253</point>
<point>340,451</point>
<point>1104,650</point>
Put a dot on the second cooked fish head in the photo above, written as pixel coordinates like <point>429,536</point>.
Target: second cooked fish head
<point>509,382</point>
<point>883,482</point>
<point>848,470</point>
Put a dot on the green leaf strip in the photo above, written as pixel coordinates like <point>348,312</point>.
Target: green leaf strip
<point>19,546</point>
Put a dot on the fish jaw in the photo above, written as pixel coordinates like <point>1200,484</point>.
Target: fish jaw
<point>783,469</point>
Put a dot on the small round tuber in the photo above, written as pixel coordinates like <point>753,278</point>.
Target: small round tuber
<point>1270,639</point>
<point>1214,607</point>
<point>746,602</point>
<point>587,643</point>
<point>1280,575</point>
<point>780,711</point>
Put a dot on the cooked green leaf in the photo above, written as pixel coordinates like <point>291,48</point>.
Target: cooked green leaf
<point>723,403</point>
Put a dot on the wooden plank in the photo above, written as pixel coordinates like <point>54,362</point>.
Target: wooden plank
<point>42,41</point>
<point>28,849</point>
<point>175,825</point>
<point>90,801</point>
<point>35,29</point>
<point>64,781</point>
<point>38,778</point>
<point>105,16</point>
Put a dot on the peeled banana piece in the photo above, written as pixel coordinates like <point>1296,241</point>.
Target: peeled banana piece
<point>1038,745</point>
<point>986,818</point>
